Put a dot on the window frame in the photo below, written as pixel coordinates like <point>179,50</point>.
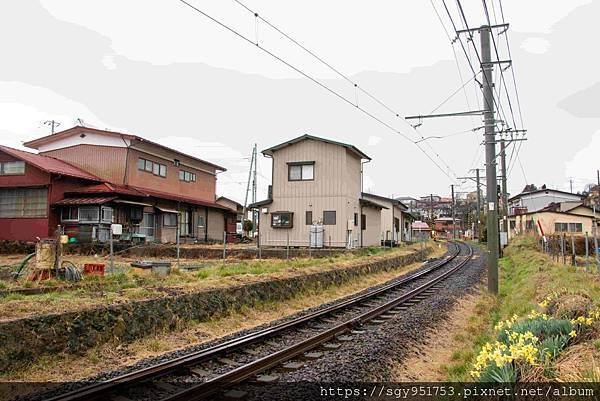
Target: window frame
<point>152,167</point>
<point>19,162</point>
<point>88,208</point>
<point>23,203</point>
<point>308,218</point>
<point>187,176</point>
<point>578,227</point>
<point>70,209</point>
<point>328,222</point>
<point>363,221</point>
<point>290,165</point>
<point>291,219</point>
<point>165,224</point>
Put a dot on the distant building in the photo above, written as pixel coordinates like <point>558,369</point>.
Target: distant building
<point>444,227</point>
<point>317,182</point>
<point>420,231</point>
<point>395,219</point>
<point>532,200</point>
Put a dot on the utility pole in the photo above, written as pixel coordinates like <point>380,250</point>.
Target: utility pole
<point>487,69</point>
<point>571,184</point>
<point>504,190</point>
<point>431,208</point>
<point>253,177</point>
<point>53,124</point>
<point>453,220</point>
<point>254,190</point>
<point>478,219</point>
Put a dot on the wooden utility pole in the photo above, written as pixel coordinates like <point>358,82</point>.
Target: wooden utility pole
<point>487,69</point>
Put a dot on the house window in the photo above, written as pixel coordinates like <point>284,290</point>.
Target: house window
<point>184,223</point>
<point>363,222</point>
<point>201,221</point>
<point>69,213</point>
<point>152,167</point>
<point>512,224</point>
<point>302,171</point>
<point>529,225</point>
<point>12,168</point>
<point>147,225</point>
<point>89,214</point>
<point>355,219</point>
<point>309,219</point>
<point>329,218</point>
<point>23,202</point>
<point>396,224</point>
<point>282,219</point>
<point>561,227</point>
<point>106,214</point>
<point>169,220</point>
<point>187,176</point>
<point>575,227</point>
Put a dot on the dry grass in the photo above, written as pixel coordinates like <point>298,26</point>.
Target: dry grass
<point>113,356</point>
<point>440,354</point>
<point>124,287</point>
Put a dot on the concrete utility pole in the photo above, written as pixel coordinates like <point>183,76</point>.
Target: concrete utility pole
<point>254,212</point>
<point>478,220</point>
<point>431,208</point>
<point>504,190</point>
<point>251,176</point>
<point>487,69</point>
<point>453,221</point>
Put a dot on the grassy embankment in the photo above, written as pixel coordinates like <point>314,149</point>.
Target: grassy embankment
<point>556,304</point>
<point>127,285</point>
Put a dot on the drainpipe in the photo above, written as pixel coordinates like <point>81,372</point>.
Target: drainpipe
<point>126,173</point>
<point>361,197</point>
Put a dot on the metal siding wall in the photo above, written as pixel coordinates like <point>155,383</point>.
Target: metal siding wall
<point>336,187</point>
<point>105,162</point>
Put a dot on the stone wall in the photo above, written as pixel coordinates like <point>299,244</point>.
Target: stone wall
<point>24,340</point>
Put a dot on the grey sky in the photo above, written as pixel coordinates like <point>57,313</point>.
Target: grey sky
<point>160,70</point>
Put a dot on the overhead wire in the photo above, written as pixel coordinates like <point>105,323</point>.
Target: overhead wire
<point>321,84</point>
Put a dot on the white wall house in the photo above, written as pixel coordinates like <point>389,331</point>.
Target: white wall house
<point>533,201</point>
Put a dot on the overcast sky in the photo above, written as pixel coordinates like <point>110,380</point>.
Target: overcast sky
<point>161,70</point>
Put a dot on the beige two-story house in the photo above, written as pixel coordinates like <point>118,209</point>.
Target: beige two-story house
<point>317,183</point>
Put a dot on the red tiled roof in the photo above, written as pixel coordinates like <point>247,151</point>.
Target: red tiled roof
<point>185,199</point>
<point>107,188</point>
<point>49,164</point>
<point>85,201</point>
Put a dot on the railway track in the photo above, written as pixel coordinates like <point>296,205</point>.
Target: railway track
<point>204,373</point>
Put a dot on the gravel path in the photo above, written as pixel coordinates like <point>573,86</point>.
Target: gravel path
<point>368,357</point>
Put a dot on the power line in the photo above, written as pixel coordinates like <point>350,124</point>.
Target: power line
<point>316,81</point>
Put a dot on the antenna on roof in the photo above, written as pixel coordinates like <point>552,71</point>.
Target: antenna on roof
<point>80,122</point>
<point>53,124</point>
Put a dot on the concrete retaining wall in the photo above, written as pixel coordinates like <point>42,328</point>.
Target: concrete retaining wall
<point>24,340</point>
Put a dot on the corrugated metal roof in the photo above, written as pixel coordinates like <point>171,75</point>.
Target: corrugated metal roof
<point>96,200</point>
<point>353,148</point>
<point>77,129</point>
<point>179,198</point>
<point>49,164</point>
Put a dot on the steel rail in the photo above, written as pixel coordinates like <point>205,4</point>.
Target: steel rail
<point>98,390</point>
<point>210,387</point>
